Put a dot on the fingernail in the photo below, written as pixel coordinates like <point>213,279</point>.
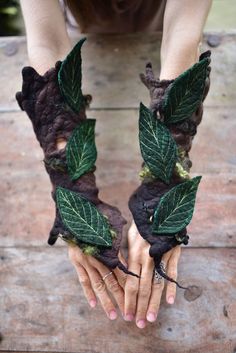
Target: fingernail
<point>171,300</point>
<point>129,317</point>
<point>151,317</point>
<point>141,323</point>
<point>92,303</point>
<point>112,315</point>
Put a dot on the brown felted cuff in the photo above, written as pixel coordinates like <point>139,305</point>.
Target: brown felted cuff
<point>53,119</point>
<point>147,197</point>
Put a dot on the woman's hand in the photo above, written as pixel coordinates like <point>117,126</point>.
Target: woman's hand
<point>91,273</point>
<point>143,296</point>
<point>136,298</point>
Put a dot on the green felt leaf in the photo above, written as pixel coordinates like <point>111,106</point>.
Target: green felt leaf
<point>69,78</point>
<point>81,152</point>
<point>82,218</point>
<point>185,94</point>
<point>176,207</point>
<point>157,146</point>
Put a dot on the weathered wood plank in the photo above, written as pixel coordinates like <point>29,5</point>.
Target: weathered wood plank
<point>213,148</point>
<point>43,308</point>
<point>28,210</point>
<point>112,65</point>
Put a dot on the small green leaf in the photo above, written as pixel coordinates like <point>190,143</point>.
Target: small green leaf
<point>185,94</point>
<point>176,207</point>
<point>69,78</point>
<point>82,218</point>
<point>81,152</point>
<point>157,146</point>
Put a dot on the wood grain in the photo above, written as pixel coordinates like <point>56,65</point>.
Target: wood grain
<point>43,307</point>
<point>119,88</point>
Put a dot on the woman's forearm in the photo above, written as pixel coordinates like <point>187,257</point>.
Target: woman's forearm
<point>43,57</point>
<point>47,38</point>
<point>184,21</point>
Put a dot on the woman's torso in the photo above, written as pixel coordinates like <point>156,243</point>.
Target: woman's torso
<point>118,16</point>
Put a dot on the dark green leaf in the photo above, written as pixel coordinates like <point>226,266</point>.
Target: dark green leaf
<point>69,78</point>
<point>81,152</point>
<point>82,218</point>
<point>157,146</point>
<point>185,94</point>
<point>176,207</point>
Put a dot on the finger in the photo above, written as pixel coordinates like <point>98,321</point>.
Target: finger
<point>172,273</point>
<point>131,291</point>
<point>99,288</point>
<point>155,299</point>
<point>113,286</point>
<point>166,256</point>
<point>122,259</point>
<point>86,285</point>
<point>144,293</point>
<point>120,275</point>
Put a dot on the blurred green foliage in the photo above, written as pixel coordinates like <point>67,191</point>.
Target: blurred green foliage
<point>9,18</point>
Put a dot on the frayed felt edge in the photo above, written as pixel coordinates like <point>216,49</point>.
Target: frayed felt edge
<point>161,272</point>
<point>125,270</point>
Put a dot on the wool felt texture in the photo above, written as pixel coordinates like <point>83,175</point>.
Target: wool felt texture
<point>146,198</point>
<point>53,119</point>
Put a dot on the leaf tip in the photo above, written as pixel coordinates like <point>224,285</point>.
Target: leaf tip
<point>197,179</point>
<point>59,189</point>
<point>59,193</point>
<point>76,47</point>
<point>143,107</point>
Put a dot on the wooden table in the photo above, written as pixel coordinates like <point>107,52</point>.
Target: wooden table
<point>42,308</point>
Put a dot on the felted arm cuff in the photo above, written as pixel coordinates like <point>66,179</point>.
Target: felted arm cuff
<point>163,204</point>
<point>56,107</point>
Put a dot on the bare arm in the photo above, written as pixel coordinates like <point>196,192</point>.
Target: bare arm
<point>184,21</point>
<point>47,38</point>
